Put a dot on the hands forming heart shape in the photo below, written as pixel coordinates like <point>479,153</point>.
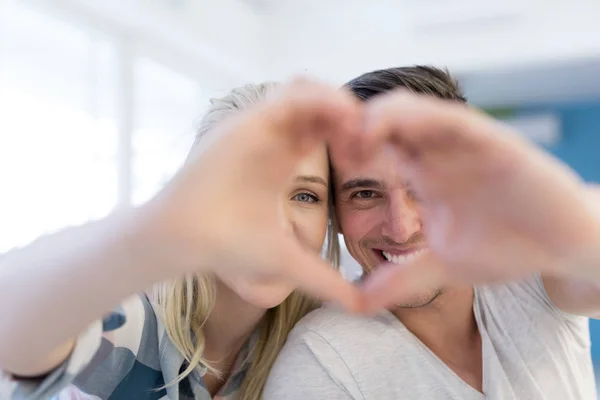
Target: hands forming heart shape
<point>495,207</point>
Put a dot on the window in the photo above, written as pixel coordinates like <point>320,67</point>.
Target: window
<point>167,107</point>
<point>58,130</point>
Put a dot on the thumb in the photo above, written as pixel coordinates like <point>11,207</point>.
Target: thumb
<point>593,190</point>
<point>392,284</point>
<point>317,278</point>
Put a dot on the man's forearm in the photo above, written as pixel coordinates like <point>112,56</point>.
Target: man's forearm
<point>577,289</point>
<point>591,260</point>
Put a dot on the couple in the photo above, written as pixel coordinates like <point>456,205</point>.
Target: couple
<point>435,201</point>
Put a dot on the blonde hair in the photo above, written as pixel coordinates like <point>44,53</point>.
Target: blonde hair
<point>185,304</point>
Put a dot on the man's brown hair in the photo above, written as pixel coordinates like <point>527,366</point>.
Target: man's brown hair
<point>421,79</point>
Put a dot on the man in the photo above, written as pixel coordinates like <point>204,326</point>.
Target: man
<point>452,200</point>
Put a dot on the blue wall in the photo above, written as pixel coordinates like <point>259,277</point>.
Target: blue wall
<point>580,148</point>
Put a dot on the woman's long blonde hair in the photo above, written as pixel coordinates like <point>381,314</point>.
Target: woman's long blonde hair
<point>185,304</point>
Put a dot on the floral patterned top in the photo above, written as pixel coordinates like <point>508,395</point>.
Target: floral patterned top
<point>128,355</point>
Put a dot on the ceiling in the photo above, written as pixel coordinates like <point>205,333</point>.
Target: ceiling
<point>504,52</point>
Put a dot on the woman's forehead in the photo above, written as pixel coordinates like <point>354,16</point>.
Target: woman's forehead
<point>314,163</point>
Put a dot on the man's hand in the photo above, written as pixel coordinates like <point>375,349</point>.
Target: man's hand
<point>494,207</point>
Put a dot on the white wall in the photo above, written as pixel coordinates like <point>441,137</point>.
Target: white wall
<point>230,42</point>
<point>340,39</point>
<point>219,43</point>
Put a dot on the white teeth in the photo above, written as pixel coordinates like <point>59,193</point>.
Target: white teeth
<point>402,258</point>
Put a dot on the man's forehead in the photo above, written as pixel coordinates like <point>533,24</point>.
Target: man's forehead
<point>380,167</point>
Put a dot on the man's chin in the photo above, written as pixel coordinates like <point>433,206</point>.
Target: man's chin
<point>422,300</point>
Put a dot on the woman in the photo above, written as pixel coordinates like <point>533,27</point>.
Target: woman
<point>206,335</point>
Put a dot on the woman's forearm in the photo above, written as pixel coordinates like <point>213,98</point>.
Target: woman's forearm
<point>53,288</point>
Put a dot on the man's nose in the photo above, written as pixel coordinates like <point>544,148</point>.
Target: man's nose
<point>402,219</point>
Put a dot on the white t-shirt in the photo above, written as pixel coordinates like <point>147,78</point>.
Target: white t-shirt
<point>531,350</point>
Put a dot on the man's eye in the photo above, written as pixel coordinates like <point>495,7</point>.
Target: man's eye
<point>364,194</point>
<point>306,198</point>
<point>413,196</point>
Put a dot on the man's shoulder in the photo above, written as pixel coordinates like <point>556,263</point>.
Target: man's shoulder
<point>330,317</point>
<point>334,324</point>
<point>326,344</point>
<point>355,352</point>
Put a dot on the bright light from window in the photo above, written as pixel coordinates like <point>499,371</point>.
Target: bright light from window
<point>167,106</point>
<point>57,131</point>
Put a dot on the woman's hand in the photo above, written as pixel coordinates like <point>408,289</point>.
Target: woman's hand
<point>224,210</point>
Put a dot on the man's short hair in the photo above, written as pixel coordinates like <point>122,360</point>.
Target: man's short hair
<point>418,79</point>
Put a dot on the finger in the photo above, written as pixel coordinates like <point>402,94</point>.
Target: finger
<point>593,190</point>
<point>306,108</point>
<point>350,146</point>
<point>423,127</point>
<point>438,142</point>
<point>302,115</point>
<point>417,123</point>
<point>392,284</point>
<point>316,277</point>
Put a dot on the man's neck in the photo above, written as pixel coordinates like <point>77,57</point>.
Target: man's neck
<point>448,328</point>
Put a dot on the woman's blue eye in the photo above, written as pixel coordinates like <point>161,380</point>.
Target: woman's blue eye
<point>306,198</point>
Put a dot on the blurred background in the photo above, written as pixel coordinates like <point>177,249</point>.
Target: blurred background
<point>99,98</point>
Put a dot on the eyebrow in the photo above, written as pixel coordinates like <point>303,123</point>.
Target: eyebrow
<point>361,183</point>
<point>311,179</point>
